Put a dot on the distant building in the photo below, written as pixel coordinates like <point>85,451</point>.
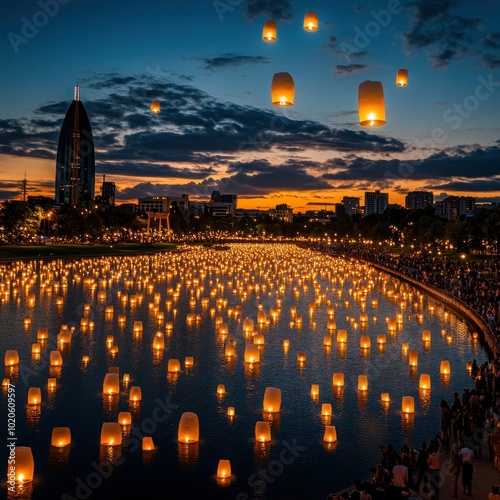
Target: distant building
<point>351,205</point>
<point>108,192</point>
<point>282,212</point>
<point>376,202</point>
<point>418,200</point>
<point>453,207</point>
<point>75,163</point>
<point>222,205</point>
<point>41,201</point>
<point>163,203</point>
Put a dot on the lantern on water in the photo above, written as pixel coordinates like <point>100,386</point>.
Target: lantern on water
<point>189,428</point>
<point>61,436</point>
<point>188,362</point>
<point>269,33</point>
<point>326,410</point>
<point>381,339</point>
<point>272,399</point>
<point>35,348</point>
<point>159,342</point>
<point>402,77</point>
<point>155,107</point>
<point>405,347</point>
<point>301,357</point>
<point>362,383</point>
<point>111,384</point>
<point>34,396</point>
<point>137,326</point>
<point>147,443</point>
<point>230,411</point>
<point>135,393</point>
<point>25,465</point>
<point>342,336</point>
<point>468,366</point>
<point>413,357</point>
<point>363,317</point>
<point>331,324</point>
<point>259,339</point>
<point>408,404</point>
<point>371,105</point>
<point>11,357</point>
<point>51,383</point>
<point>221,390</point>
<point>282,89</point>
<point>125,418</point>
<point>263,431</point>
<point>330,435</point>
<point>224,469</point>
<point>229,350</point>
<point>314,390</point>
<point>384,397</point>
<point>42,334</point>
<point>111,434</point>
<point>365,342</point>
<point>444,368</point>
<point>252,354</point>
<point>338,380</point>
<point>426,336</point>
<point>424,381</point>
<point>310,21</point>
<point>55,358</point>
<point>286,344</point>
<point>174,365</point>
<point>327,340</point>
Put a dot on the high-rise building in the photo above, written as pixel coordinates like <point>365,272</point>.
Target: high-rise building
<point>282,212</point>
<point>108,192</point>
<point>222,204</point>
<point>351,204</point>
<point>417,200</point>
<point>376,202</point>
<point>75,163</point>
<point>453,207</point>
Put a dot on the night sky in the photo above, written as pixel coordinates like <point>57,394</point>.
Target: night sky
<point>206,62</point>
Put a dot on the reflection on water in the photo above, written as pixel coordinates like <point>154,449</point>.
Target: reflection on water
<point>201,301</point>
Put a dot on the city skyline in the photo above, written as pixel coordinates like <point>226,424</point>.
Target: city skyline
<point>209,68</point>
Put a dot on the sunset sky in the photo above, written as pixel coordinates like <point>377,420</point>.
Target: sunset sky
<point>207,64</point>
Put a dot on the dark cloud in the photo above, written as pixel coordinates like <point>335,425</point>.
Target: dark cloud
<point>492,40</point>
<point>476,186</point>
<point>451,36</point>
<point>277,10</point>
<point>347,50</point>
<point>347,69</point>
<point>137,169</point>
<point>231,60</point>
<point>491,61</point>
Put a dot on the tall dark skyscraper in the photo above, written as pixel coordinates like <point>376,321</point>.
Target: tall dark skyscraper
<point>75,164</point>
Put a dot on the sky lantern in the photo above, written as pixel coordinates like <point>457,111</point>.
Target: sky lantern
<point>11,357</point>
<point>155,107</point>
<point>444,368</point>
<point>342,336</point>
<point>314,390</point>
<point>61,436</point>
<point>147,443</point>
<point>362,383</point>
<point>224,469</point>
<point>282,89</point>
<point>269,33</point>
<point>272,400</point>
<point>402,77</point>
<point>111,434</point>
<point>371,105</point>
<point>338,380</point>
<point>263,431</point>
<point>413,357</point>
<point>189,428</point>
<point>174,365</point>
<point>330,435</point>
<point>125,418</point>
<point>310,21</point>
<point>424,381</point>
<point>364,342</point>
<point>326,410</point>
<point>135,393</point>
<point>34,396</point>
<point>252,354</point>
<point>408,404</point>
<point>25,465</point>
<point>111,384</point>
<point>384,397</point>
<point>426,336</point>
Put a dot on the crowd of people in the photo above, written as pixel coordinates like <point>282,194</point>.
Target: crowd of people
<point>470,420</point>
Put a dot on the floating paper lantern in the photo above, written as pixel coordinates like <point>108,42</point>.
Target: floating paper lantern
<point>126,378</point>
<point>36,348</point>
<point>468,366</point>
<point>155,107</point>
<point>263,431</point>
<point>269,33</point>
<point>338,380</point>
<point>55,358</point>
<point>188,362</point>
<point>230,411</point>
<point>286,344</point>
<point>326,410</point>
<point>362,383</point>
<point>125,418</point>
<point>384,397</point>
<point>85,359</point>
<point>408,404</point>
<point>111,384</point>
<point>282,89</point>
<point>111,434</point>
<point>364,342</point>
<point>159,342</point>
<point>310,21</point>
<point>252,354</point>
<point>137,328</point>
<point>248,325</point>
<point>402,77</point>
<point>272,399</point>
<point>327,340</point>
<point>405,347</point>
<point>11,357</point>
<point>424,381</point>
<point>135,393</point>
<point>174,365</point>
<point>301,357</point>
<point>189,428</point>
<point>330,435</point>
<point>331,324</point>
<point>61,436</point>
<point>221,390</point>
<point>259,339</point>
<point>109,311</point>
<point>229,350</point>
<point>363,318</point>
<point>381,339</point>
<point>51,383</point>
<point>426,336</point>
<point>6,382</point>
<point>224,469</point>
<point>342,336</point>
<point>314,390</point>
<point>444,368</point>
<point>371,105</point>
<point>25,465</point>
<point>34,396</point>
<point>374,303</point>
<point>413,357</point>
<point>147,443</point>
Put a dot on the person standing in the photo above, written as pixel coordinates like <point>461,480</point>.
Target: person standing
<point>455,467</point>
<point>467,456</point>
<point>434,462</point>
